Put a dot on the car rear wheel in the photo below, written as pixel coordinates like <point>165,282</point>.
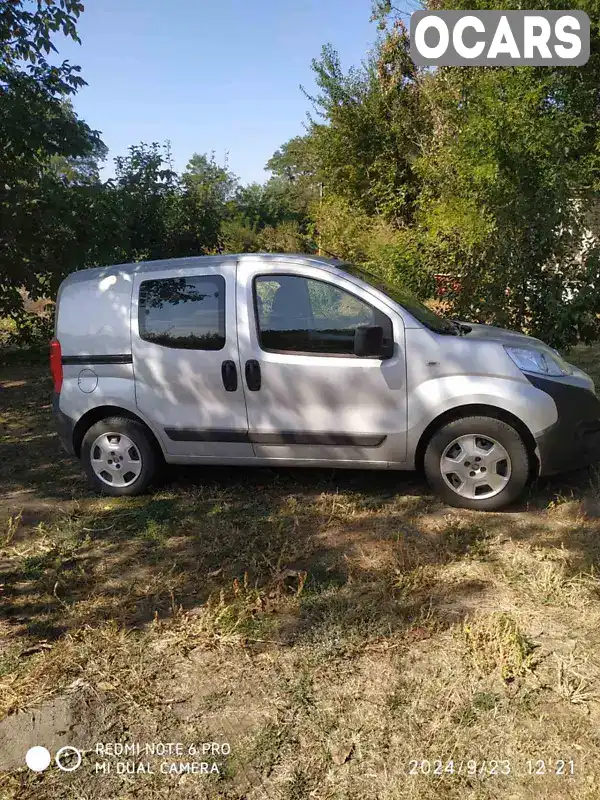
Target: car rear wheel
<point>119,457</point>
<point>477,462</point>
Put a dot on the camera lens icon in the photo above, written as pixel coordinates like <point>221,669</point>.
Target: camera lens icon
<point>68,758</point>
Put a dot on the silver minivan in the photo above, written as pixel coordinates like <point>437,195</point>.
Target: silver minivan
<point>304,361</point>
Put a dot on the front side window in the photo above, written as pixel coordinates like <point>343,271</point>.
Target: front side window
<point>187,313</point>
<point>303,315</point>
<point>435,322</point>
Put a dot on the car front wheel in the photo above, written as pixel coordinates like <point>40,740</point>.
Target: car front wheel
<point>477,462</point>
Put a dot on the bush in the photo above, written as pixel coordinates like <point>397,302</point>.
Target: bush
<point>400,263</point>
<point>27,330</point>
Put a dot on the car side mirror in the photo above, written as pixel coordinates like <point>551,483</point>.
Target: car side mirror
<point>368,341</point>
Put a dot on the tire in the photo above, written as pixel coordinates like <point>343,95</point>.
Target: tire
<point>130,475</point>
<point>466,444</point>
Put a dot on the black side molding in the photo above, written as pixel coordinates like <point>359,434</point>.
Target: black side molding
<point>300,437</point>
<point>282,437</point>
<point>199,435</point>
<point>112,359</point>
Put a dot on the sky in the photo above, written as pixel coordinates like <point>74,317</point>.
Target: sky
<point>220,75</point>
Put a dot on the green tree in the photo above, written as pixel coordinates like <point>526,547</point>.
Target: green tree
<point>482,173</point>
<point>296,182</point>
<point>369,135</point>
<point>37,129</point>
<point>140,202</point>
<point>506,184</point>
<point>207,188</point>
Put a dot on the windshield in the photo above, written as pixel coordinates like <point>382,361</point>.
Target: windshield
<point>407,300</point>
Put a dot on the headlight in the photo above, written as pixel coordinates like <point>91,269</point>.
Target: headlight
<point>542,362</point>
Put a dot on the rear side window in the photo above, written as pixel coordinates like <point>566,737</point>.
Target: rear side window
<point>305,315</point>
<point>187,313</point>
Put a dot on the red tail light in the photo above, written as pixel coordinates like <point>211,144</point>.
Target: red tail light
<point>56,364</point>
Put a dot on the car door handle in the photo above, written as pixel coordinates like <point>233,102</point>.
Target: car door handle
<point>229,375</point>
<point>253,375</point>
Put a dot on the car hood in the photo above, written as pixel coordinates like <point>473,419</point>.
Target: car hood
<point>511,338</point>
<point>516,339</point>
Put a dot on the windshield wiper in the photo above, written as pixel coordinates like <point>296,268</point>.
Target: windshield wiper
<point>461,328</point>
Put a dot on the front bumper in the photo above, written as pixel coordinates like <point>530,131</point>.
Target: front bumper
<point>64,425</point>
<point>573,441</point>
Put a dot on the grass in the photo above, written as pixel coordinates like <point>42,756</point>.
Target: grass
<point>344,633</point>
<point>495,643</point>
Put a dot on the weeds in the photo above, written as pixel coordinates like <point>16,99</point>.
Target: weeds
<point>12,527</point>
<point>494,642</point>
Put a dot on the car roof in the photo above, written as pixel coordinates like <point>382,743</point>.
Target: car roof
<point>141,267</point>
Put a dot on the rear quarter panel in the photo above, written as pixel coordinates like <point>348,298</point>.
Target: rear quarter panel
<point>93,320</point>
